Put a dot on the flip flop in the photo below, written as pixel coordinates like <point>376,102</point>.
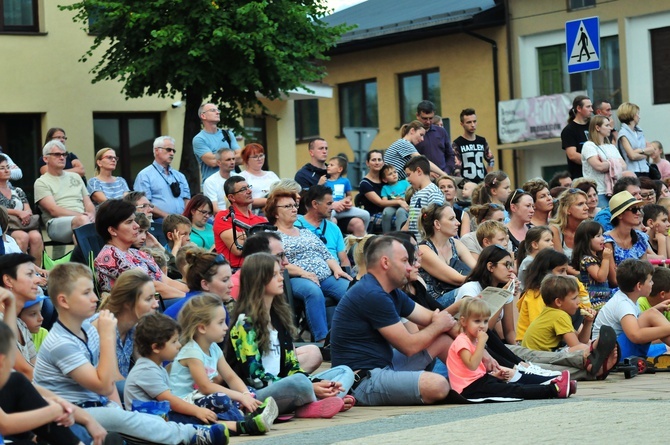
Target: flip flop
<point>352,402</point>
<point>598,356</point>
<point>606,372</point>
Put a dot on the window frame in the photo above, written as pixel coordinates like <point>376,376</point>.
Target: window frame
<point>583,5</point>
<point>424,89</point>
<point>363,104</point>
<point>657,67</point>
<point>20,29</point>
<point>124,150</point>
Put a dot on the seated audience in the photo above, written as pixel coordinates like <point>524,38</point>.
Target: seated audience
<point>104,185</point>
<point>199,211</point>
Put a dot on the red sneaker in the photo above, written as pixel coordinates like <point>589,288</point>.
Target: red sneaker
<point>563,385</point>
<point>321,409</point>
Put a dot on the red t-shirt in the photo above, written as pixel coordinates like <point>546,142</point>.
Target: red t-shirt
<point>221,225</point>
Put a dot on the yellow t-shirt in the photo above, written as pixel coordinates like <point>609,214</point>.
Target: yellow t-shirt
<point>546,331</point>
<point>530,306</point>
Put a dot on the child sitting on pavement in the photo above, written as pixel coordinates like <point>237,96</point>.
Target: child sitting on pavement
<point>78,363</point>
<point>467,374</point>
<point>552,330</point>
<point>157,341</point>
<point>635,329</point>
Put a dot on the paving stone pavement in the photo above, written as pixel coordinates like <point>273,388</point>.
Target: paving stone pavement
<point>609,412</point>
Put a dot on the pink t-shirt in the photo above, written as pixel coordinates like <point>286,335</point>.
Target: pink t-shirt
<point>459,374</point>
<point>664,168</point>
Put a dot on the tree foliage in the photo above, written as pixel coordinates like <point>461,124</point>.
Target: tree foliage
<point>226,50</point>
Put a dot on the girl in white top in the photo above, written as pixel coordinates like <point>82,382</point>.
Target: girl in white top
<point>597,154</point>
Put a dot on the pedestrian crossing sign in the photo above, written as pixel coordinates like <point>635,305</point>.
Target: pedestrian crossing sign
<point>582,37</point>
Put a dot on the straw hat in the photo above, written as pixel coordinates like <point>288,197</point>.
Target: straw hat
<point>620,202</point>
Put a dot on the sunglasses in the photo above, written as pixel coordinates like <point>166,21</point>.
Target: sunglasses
<point>219,260</point>
<point>634,209</point>
<point>519,192</point>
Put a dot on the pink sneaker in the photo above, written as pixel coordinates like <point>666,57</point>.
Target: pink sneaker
<point>321,409</point>
<point>563,385</point>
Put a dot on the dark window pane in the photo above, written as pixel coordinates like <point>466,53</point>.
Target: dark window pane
<point>415,87</point>
<point>21,140</point>
<point>660,64</point>
<point>412,94</point>
<point>306,119</point>
<point>358,104</point>
<point>371,112</point>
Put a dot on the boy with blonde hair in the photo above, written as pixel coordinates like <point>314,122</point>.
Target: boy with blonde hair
<point>78,363</point>
<point>488,233</point>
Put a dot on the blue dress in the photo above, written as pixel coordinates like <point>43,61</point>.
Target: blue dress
<point>640,246</point>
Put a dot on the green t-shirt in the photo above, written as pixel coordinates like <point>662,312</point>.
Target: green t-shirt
<point>644,304</point>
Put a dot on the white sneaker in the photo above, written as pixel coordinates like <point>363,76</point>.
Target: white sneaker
<point>536,370</point>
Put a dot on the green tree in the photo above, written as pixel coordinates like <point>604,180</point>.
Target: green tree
<point>225,50</point>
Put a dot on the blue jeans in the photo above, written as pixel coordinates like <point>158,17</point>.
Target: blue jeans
<point>400,214</point>
<point>448,298</point>
<point>314,299</point>
<point>342,374</point>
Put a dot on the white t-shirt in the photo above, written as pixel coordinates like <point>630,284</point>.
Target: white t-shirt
<point>604,153</point>
<point>613,312</point>
<point>213,189</point>
<point>272,359</point>
<point>260,184</point>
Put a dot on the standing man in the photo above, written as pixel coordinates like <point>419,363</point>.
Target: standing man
<point>604,108</point>
<point>62,195</point>
<point>369,336</point>
<point>165,187</point>
<point>319,204</point>
<point>210,139</point>
<point>472,151</point>
<point>436,145</point>
<point>239,194</point>
<point>314,172</point>
<point>576,133</point>
<point>213,186</point>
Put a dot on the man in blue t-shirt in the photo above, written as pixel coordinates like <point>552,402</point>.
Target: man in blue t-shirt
<point>319,202</point>
<point>368,334</point>
<point>210,140</point>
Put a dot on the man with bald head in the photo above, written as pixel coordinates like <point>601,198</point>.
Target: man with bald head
<point>210,140</point>
<point>368,335</point>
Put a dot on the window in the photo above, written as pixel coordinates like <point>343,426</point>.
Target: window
<point>660,53</point>
<point>415,87</point>
<point>358,104</point>
<point>131,135</point>
<point>306,119</point>
<point>554,77</point>
<point>21,140</point>
<point>580,4</point>
<point>19,16</point>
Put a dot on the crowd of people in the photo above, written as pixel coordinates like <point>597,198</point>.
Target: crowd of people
<point>191,339</point>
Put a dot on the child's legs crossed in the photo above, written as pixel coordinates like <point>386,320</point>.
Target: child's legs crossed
<point>489,386</point>
<point>289,392</point>
<point>655,319</point>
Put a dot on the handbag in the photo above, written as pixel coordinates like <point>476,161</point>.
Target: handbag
<point>15,223</point>
<point>654,172</point>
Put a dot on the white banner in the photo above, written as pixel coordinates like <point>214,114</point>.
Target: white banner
<point>533,118</point>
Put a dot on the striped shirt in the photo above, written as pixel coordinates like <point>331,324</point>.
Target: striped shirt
<point>398,154</point>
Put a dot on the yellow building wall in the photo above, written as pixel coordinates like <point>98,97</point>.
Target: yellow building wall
<point>42,74</point>
<point>466,78</point>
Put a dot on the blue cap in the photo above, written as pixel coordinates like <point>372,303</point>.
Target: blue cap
<point>39,299</point>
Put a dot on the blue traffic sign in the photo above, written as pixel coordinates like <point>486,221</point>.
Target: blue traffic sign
<point>582,38</point>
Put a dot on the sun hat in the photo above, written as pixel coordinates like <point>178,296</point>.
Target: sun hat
<point>620,202</point>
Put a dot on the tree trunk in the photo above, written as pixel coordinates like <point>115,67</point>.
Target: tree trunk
<point>189,163</point>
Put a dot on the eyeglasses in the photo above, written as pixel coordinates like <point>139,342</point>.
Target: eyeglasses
<point>63,154</point>
<point>213,110</point>
<point>204,212</point>
<point>281,256</point>
<point>144,206</point>
<point>507,264</point>
<point>257,157</point>
<point>111,158</point>
<point>634,209</point>
<point>244,189</point>
<point>4,169</point>
<point>168,149</point>
<point>648,195</point>
<point>288,206</point>
<point>218,260</point>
